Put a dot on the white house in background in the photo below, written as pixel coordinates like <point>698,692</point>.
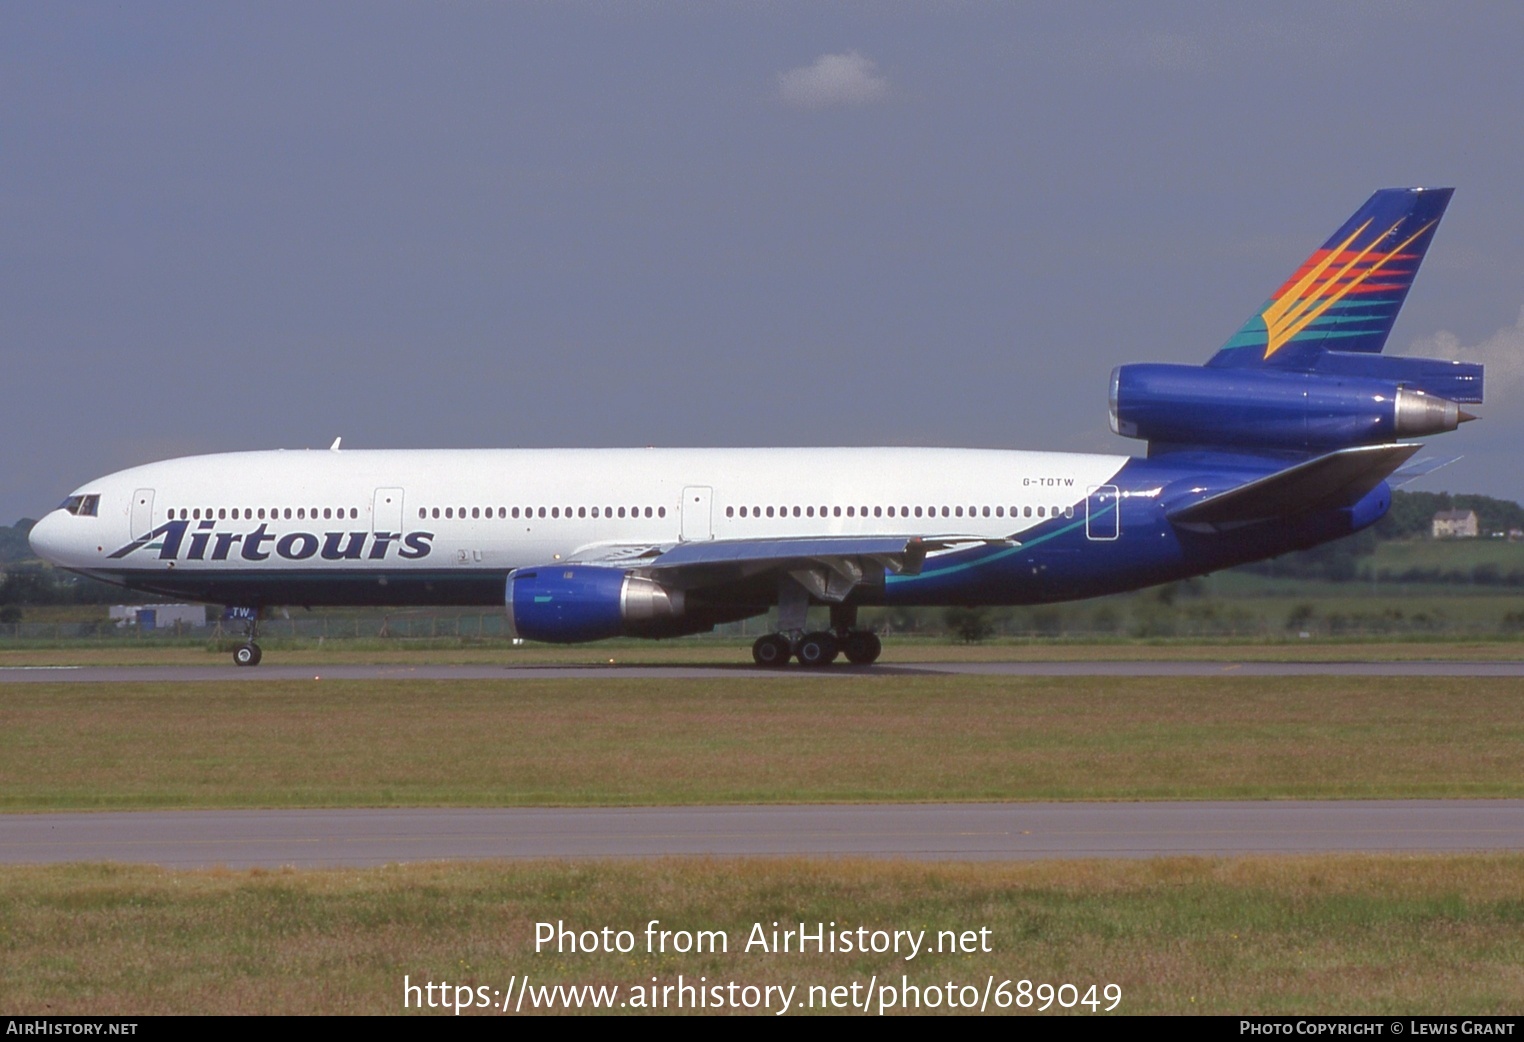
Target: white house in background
<point>1455,524</point>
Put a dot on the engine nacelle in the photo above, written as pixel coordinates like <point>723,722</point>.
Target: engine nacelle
<point>1259,408</point>
<point>570,604</point>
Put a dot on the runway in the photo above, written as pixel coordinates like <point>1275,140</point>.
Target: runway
<point>229,672</point>
<point>954,832</point>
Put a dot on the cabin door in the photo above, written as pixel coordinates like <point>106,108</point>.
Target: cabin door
<point>698,522</point>
<point>1102,510</point>
<point>142,512</point>
<point>386,511</point>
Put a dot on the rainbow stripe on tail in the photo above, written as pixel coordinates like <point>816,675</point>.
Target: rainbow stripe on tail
<point>1346,296</point>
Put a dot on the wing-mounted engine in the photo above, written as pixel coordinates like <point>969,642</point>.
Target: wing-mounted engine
<point>572,604</point>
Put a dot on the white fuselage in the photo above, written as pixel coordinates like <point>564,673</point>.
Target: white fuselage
<point>501,509</point>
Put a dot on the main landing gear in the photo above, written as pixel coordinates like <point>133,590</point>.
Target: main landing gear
<point>861,648</point>
<point>821,648</point>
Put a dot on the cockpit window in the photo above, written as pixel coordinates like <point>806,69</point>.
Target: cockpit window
<point>82,506</point>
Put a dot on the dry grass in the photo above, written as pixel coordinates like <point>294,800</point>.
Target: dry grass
<point>1343,934</point>
<point>755,739</point>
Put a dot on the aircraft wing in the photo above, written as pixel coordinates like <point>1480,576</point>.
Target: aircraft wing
<point>829,566</point>
<point>1325,482</point>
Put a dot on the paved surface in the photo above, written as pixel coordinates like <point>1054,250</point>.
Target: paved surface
<point>1016,831</point>
<point>183,674</point>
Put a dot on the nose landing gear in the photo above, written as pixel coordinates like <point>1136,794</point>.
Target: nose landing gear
<point>247,653</point>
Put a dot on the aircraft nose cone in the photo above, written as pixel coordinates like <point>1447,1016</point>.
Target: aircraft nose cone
<point>46,537</point>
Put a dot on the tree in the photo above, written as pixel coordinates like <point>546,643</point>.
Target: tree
<point>970,624</point>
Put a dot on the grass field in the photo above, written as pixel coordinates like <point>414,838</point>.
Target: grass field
<point>1347,935</point>
<point>755,738</point>
<point>1336,934</point>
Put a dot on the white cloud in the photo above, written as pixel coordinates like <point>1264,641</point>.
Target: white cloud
<point>1502,353</point>
<point>833,79</point>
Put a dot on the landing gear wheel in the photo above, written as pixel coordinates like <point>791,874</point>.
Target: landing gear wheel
<point>863,648</point>
<point>247,655</point>
<point>771,650</point>
<point>817,649</point>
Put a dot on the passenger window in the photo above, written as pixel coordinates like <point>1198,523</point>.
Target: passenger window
<point>959,511</point>
<point>730,511</point>
<point>582,511</point>
<point>809,511</point>
<point>476,512</point>
<point>301,513</point>
<point>944,512</point>
<point>769,511</point>
<point>1040,512</point>
<point>796,511</point>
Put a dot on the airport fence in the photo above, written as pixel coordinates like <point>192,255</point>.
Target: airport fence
<point>1142,619</point>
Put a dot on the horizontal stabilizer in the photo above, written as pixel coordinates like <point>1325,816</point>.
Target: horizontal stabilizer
<point>1419,468</point>
<point>1327,482</point>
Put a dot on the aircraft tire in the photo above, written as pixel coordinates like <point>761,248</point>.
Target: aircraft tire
<point>247,655</point>
<point>863,648</point>
<point>772,650</point>
<point>817,649</point>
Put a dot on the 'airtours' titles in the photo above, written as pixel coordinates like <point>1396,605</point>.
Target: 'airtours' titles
<point>208,544</point>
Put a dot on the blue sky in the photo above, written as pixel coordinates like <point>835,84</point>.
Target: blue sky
<point>533,224</point>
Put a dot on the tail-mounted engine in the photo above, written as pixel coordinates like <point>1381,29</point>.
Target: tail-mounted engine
<point>1269,408</point>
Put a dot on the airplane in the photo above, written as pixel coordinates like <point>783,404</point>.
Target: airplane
<point>1283,440</point>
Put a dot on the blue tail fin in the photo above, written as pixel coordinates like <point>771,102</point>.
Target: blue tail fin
<point>1346,296</point>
